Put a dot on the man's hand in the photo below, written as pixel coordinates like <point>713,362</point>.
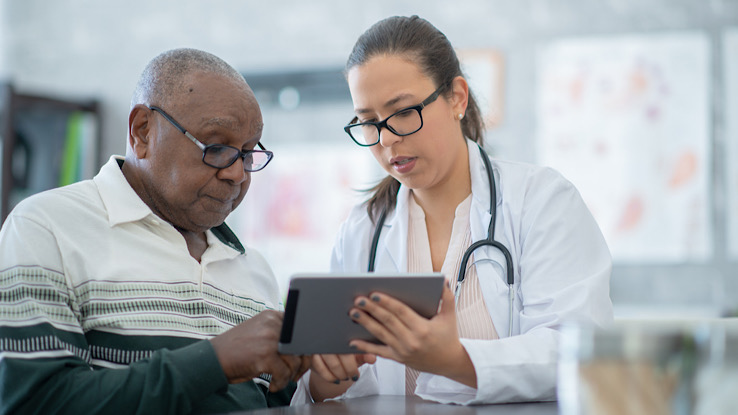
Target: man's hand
<point>249,349</point>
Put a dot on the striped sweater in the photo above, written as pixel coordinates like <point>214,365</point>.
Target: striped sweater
<point>103,310</point>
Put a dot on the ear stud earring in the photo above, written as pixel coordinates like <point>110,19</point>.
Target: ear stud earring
<point>460,116</point>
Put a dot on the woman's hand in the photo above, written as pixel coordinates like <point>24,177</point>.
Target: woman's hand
<point>332,374</point>
<point>428,345</point>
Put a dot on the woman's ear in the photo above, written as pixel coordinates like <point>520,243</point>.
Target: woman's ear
<point>138,130</point>
<point>459,96</point>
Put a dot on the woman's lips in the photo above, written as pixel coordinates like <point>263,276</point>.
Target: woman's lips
<point>403,165</point>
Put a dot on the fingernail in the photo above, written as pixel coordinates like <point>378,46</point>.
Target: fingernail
<point>362,303</point>
<point>355,378</point>
<point>356,315</point>
<point>336,381</point>
<point>375,298</point>
<point>352,347</point>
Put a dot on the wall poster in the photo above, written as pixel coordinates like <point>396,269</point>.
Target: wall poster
<point>627,120</point>
<point>484,70</point>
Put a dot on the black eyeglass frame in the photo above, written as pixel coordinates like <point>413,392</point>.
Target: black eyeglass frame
<point>204,147</point>
<point>383,123</point>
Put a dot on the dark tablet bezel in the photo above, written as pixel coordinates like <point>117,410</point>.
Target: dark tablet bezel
<point>316,319</point>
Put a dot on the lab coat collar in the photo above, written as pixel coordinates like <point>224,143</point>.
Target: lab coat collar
<point>480,215</point>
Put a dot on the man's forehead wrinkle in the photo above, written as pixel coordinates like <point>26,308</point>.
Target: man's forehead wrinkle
<point>257,125</point>
<point>220,122</point>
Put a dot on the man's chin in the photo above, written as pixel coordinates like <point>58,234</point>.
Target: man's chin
<point>208,221</point>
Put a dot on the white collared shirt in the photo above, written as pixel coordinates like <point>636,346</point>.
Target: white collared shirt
<point>126,271</point>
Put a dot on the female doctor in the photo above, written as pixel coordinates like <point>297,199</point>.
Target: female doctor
<point>497,340</point>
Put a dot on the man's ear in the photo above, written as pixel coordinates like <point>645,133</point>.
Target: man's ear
<point>139,130</point>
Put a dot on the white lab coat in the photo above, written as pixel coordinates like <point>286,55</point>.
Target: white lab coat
<point>562,273</point>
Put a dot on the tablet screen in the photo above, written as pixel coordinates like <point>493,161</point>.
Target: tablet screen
<point>316,319</point>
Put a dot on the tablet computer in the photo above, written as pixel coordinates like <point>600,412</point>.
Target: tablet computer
<point>316,317</point>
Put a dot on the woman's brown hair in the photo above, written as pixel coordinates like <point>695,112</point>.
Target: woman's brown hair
<point>418,40</point>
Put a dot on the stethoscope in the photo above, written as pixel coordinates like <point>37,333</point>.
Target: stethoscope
<point>489,241</point>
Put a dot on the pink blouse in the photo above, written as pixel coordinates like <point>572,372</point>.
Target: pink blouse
<point>472,318</point>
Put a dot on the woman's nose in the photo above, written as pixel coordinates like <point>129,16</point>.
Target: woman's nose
<point>387,138</point>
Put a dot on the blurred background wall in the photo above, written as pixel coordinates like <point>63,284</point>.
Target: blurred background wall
<point>633,100</point>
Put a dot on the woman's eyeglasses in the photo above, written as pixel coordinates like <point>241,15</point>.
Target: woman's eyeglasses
<point>403,122</point>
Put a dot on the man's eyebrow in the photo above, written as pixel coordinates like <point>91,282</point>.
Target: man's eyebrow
<point>389,103</point>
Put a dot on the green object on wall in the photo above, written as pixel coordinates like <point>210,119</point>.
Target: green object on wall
<point>70,165</point>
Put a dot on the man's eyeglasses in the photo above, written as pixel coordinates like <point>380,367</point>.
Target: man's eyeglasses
<point>222,156</point>
<point>403,122</point>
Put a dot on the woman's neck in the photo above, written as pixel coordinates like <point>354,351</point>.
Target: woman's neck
<point>441,200</point>
<point>439,204</point>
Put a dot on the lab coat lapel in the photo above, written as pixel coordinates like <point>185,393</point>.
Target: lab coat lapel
<point>391,376</point>
<point>480,215</point>
<point>394,242</point>
<point>489,262</point>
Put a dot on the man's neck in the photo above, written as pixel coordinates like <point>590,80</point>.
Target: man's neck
<point>197,243</point>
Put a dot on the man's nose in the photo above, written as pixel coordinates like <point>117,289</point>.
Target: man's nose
<point>235,172</point>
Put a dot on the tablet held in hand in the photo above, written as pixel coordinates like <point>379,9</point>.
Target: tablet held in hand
<point>317,321</point>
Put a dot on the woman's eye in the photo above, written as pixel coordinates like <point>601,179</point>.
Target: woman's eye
<point>405,113</point>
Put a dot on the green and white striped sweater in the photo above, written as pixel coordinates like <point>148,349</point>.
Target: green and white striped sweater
<point>102,309</point>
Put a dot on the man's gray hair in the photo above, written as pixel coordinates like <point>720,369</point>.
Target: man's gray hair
<point>163,77</point>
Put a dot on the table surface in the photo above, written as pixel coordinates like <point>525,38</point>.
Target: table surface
<point>389,404</point>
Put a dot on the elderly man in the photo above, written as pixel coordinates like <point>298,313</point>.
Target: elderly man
<point>127,293</point>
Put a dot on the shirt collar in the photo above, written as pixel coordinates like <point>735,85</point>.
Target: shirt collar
<point>124,205</point>
<point>227,237</point>
<point>120,200</point>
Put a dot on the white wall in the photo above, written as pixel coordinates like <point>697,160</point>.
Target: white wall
<point>90,48</point>
<point>3,44</point>
<point>86,48</point>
